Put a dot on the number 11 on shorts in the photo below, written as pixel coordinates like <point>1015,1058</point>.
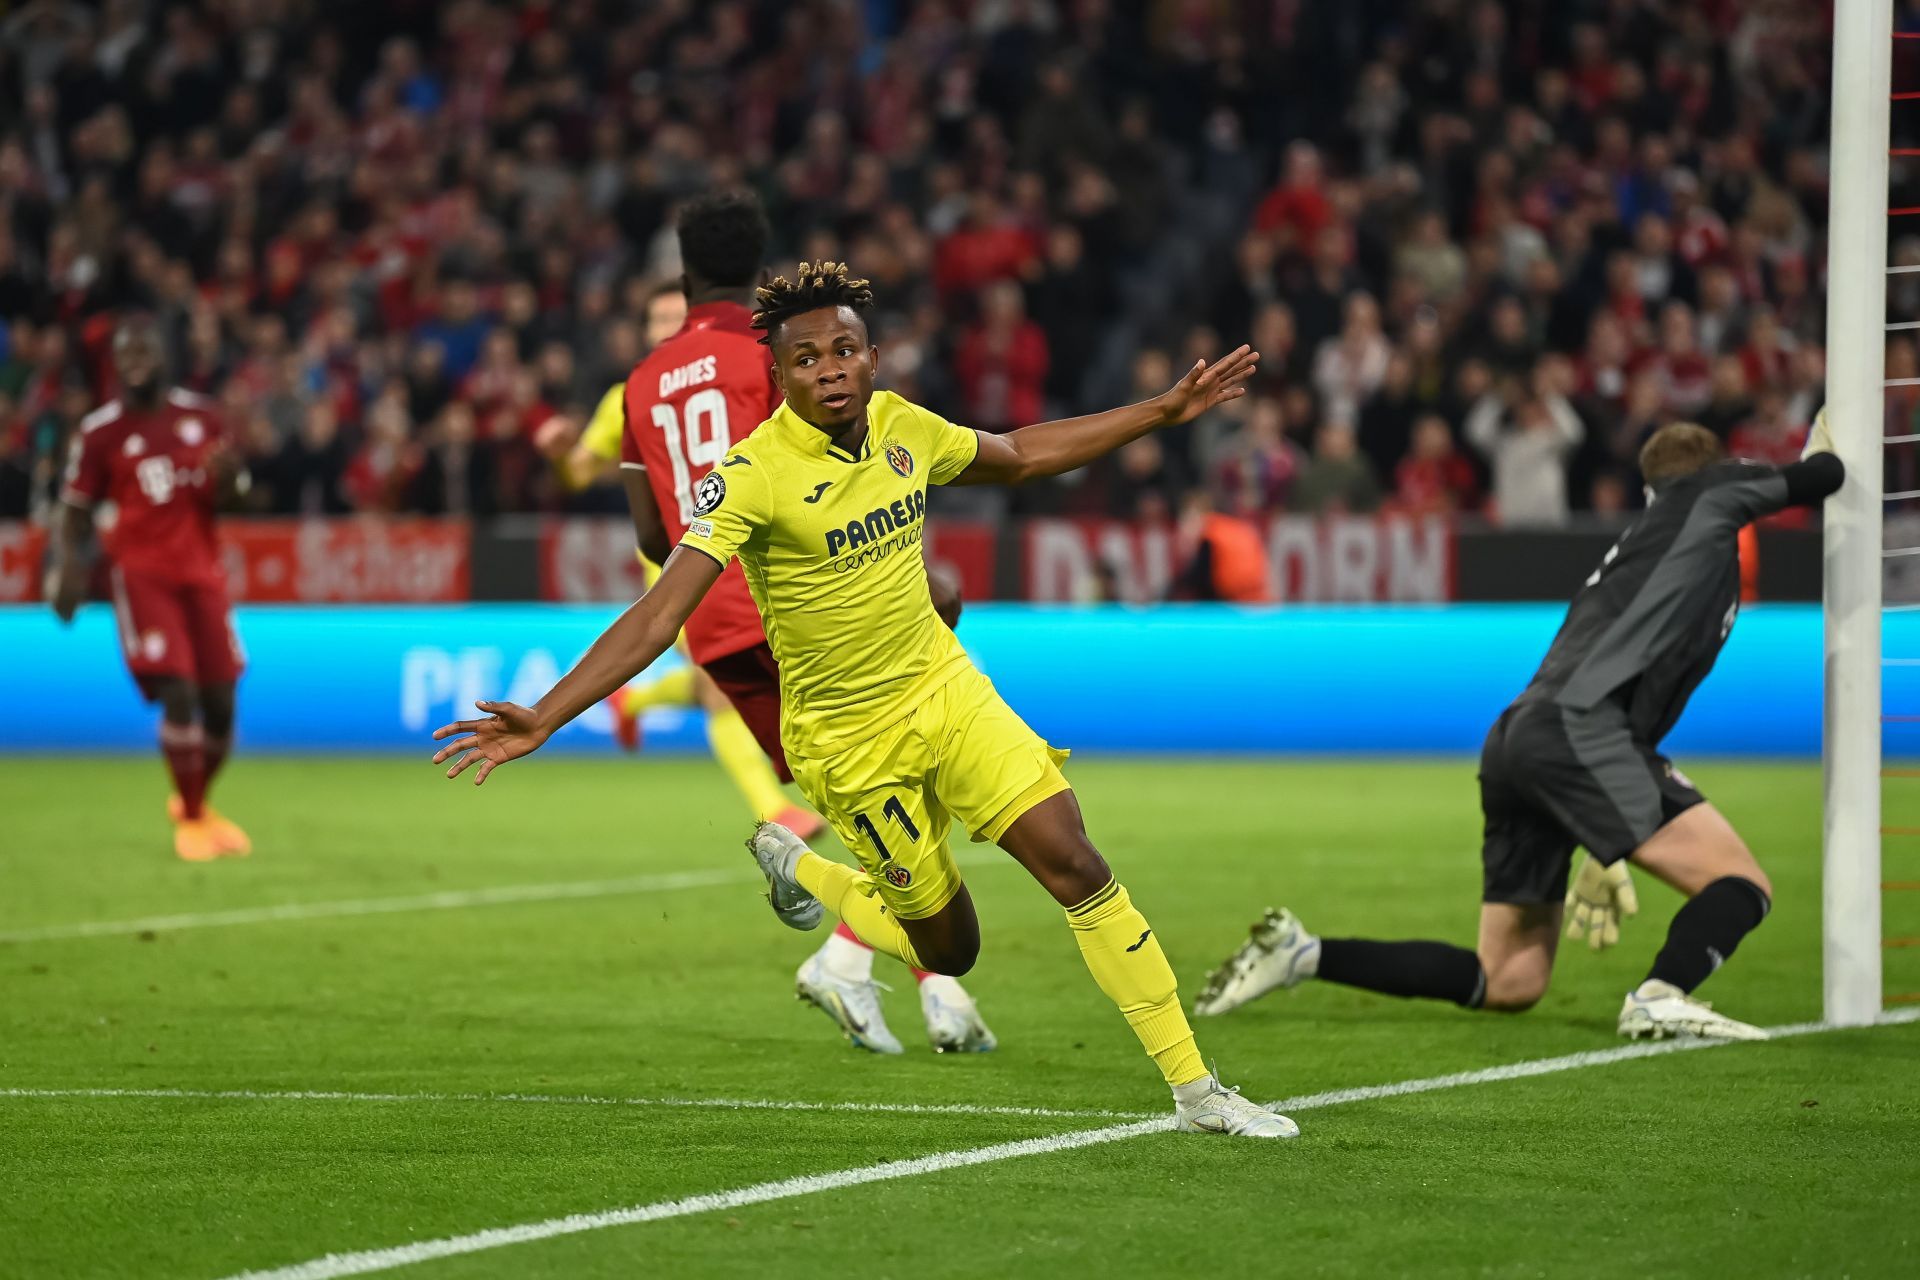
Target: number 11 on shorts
<point>891,809</point>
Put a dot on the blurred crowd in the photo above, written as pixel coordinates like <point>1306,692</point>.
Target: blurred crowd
<point>1484,247</point>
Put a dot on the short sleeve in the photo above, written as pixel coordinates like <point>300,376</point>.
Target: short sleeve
<point>607,428</point>
<point>85,482</point>
<point>730,509</point>
<point>952,449</point>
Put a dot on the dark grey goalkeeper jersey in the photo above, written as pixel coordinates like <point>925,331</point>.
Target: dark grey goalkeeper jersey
<point>1646,628</point>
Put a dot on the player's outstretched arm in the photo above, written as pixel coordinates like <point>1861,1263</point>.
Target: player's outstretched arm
<point>1052,448</point>
<point>623,651</point>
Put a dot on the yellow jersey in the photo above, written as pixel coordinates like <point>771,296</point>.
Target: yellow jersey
<point>603,431</point>
<point>830,543</point>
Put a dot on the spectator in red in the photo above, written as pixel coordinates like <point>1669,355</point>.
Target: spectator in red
<point>1699,232</point>
<point>1002,362</point>
<point>1296,210</point>
<point>383,469</point>
<point>1686,378</point>
<point>1768,351</point>
<point>988,246</point>
<point>1435,478</point>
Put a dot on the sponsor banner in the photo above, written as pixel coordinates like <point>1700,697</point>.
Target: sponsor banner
<point>347,561</point>
<point>308,561</point>
<point>23,548</point>
<point>1393,559</point>
<point>1196,679</point>
<point>590,560</point>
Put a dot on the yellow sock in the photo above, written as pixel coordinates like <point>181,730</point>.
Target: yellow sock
<point>838,886</point>
<point>1126,960</point>
<point>674,689</point>
<point>735,747</point>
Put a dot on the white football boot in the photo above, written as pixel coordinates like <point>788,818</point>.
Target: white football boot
<point>953,1022</point>
<point>1278,952</point>
<point>1207,1106</point>
<point>853,1005</point>
<point>778,851</point>
<point>1657,1010</point>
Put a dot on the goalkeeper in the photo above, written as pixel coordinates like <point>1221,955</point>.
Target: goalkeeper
<point>1575,761</point>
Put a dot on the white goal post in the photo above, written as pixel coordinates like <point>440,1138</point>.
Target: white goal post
<point>1856,368</point>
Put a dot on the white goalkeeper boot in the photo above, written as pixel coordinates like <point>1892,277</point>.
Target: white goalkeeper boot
<point>778,851</point>
<point>853,1004</point>
<point>953,1023</point>
<point>1656,1010</point>
<point>1278,952</point>
<point>1207,1106</point>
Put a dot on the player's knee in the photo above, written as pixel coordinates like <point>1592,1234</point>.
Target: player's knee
<point>1076,871</point>
<point>1514,989</point>
<point>178,703</point>
<point>954,959</point>
<point>216,708</point>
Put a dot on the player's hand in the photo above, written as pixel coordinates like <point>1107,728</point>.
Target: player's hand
<point>555,437</point>
<point>1207,385</point>
<point>1819,436</point>
<point>63,592</point>
<point>1600,897</point>
<point>509,732</point>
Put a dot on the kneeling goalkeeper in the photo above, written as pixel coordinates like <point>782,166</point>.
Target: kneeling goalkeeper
<point>1576,761</point>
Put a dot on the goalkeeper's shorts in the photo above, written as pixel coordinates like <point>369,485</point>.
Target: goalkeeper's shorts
<point>1552,778</point>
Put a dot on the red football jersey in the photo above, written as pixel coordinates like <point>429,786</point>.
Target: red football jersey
<point>155,466</point>
<point>688,402</point>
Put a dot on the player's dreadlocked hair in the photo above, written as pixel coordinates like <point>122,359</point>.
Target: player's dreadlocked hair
<point>820,284</point>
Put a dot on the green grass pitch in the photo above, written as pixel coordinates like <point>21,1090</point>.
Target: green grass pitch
<point>1796,1158</point>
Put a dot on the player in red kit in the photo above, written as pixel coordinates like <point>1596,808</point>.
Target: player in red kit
<point>688,403</point>
<point>160,457</point>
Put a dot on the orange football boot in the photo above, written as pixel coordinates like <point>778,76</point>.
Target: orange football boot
<point>626,726</point>
<point>228,834</point>
<point>194,840</point>
<point>804,823</point>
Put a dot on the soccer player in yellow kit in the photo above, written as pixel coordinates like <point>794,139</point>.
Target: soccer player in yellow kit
<point>890,730</point>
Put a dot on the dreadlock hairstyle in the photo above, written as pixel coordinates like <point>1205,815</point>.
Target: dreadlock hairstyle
<point>820,284</point>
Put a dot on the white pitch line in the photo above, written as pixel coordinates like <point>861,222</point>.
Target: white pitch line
<point>585,1100</point>
<point>444,900</point>
<point>366,1261</point>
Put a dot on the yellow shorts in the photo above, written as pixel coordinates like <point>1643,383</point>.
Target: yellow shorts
<point>891,798</point>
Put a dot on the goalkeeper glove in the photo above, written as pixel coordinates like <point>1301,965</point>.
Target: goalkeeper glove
<point>1819,436</point>
<point>1599,897</point>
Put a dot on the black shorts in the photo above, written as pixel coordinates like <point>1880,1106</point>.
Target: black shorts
<point>1553,778</point>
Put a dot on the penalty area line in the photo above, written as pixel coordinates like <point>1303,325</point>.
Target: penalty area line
<point>578,1100</point>
<point>367,1261</point>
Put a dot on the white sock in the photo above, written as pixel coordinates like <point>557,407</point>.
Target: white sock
<point>847,959</point>
<point>1194,1090</point>
<point>947,990</point>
